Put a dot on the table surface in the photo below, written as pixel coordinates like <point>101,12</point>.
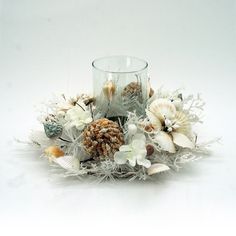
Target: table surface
<point>47,48</point>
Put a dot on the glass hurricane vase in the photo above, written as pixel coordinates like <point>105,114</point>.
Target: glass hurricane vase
<point>120,85</point>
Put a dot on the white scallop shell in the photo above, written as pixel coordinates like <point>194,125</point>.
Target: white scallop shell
<point>182,123</point>
<point>68,163</point>
<point>162,108</point>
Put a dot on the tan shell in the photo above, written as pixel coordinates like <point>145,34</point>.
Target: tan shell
<point>54,151</point>
<point>109,89</point>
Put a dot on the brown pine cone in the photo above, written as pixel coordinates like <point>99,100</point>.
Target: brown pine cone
<point>102,138</point>
<point>132,89</point>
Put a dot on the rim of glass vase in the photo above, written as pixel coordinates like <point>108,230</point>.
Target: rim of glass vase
<point>119,72</point>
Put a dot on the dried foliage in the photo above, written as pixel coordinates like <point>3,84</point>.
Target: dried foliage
<point>89,140</point>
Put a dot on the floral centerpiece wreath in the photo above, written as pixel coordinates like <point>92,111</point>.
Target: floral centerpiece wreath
<point>125,130</point>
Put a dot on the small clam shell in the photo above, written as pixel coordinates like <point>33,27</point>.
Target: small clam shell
<point>157,168</point>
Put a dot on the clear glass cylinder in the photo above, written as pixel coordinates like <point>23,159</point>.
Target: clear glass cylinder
<point>120,85</point>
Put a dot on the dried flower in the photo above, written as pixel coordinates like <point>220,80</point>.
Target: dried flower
<point>52,129</point>
<point>132,129</point>
<point>102,138</point>
<point>77,117</point>
<point>135,152</point>
<point>173,126</point>
<point>109,89</point>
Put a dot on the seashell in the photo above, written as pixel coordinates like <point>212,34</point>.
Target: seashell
<point>150,90</point>
<point>162,108</point>
<point>154,120</point>
<point>157,168</point>
<point>182,140</point>
<point>182,124</point>
<point>68,162</point>
<point>164,140</point>
<point>54,151</point>
<point>109,89</point>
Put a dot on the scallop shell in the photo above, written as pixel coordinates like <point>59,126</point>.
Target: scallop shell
<point>68,163</point>
<point>182,123</point>
<point>162,108</point>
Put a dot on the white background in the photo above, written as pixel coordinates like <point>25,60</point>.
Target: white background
<point>47,47</point>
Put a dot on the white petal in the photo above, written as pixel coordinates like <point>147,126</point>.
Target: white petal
<point>67,162</point>
<point>157,168</point>
<point>143,152</point>
<point>139,137</point>
<point>144,162</point>
<point>182,140</point>
<point>125,148</point>
<point>120,158</point>
<point>165,141</point>
<point>132,129</point>
<point>132,161</point>
<point>79,125</point>
<point>88,120</point>
<point>138,144</point>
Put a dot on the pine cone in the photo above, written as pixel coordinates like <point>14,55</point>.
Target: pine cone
<point>132,89</point>
<point>102,138</point>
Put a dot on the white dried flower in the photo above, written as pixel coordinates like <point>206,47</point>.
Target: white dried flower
<point>77,117</point>
<point>135,152</point>
<point>132,129</point>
